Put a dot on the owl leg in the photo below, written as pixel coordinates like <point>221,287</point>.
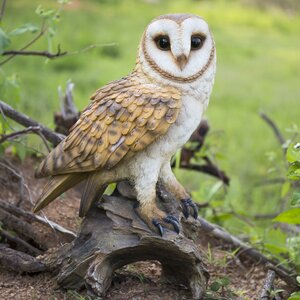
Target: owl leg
<point>171,184</point>
<point>147,210</point>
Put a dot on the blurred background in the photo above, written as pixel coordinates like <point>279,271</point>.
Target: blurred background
<point>258,70</point>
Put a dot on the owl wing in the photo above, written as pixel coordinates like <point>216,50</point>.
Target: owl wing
<point>123,118</point>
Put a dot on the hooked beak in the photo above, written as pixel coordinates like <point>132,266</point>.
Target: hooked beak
<point>181,61</point>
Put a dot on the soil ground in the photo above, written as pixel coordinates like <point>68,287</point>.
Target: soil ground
<point>136,281</point>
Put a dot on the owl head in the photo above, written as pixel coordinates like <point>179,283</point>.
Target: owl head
<point>177,47</point>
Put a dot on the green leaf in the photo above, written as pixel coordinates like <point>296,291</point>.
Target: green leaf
<point>214,190</point>
<point>293,153</point>
<point>296,198</point>
<point>215,286</point>
<point>225,281</point>
<point>291,216</point>
<point>21,151</point>
<point>298,279</point>
<point>295,296</point>
<point>24,28</point>
<point>4,41</point>
<point>285,189</point>
<point>44,13</point>
<point>294,171</point>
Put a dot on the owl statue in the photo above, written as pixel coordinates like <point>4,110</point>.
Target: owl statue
<point>133,126</point>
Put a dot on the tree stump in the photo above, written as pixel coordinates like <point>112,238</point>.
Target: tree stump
<point>112,236</point>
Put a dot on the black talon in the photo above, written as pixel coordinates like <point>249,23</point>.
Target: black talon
<point>186,203</point>
<point>172,220</point>
<point>158,225</point>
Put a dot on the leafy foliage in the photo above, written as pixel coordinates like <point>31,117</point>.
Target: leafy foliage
<point>10,83</point>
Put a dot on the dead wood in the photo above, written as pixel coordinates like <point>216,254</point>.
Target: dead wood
<point>112,236</point>
<point>25,230</point>
<point>268,286</point>
<point>19,242</point>
<point>24,120</point>
<point>19,262</point>
<point>69,114</point>
<point>30,217</point>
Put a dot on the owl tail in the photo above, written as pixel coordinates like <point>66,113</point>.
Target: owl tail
<point>94,189</point>
<point>56,186</point>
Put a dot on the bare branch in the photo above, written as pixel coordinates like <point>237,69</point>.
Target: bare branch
<point>33,217</point>
<point>20,242</point>
<point>24,120</point>
<point>47,54</point>
<point>212,170</point>
<point>272,124</point>
<point>30,129</point>
<point>21,181</point>
<point>37,37</point>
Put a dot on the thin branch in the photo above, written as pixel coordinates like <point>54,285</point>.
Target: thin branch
<point>268,285</point>
<point>208,169</point>
<point>37,37</point>
<point>266,216</point>
<point>272,124</point>
<point>47,54</point>
<point>24,120</point>
<point>21,181</point>
<point>30,129</point>
<point>33,217</point>
<point>19,242</point>
<point>279,180</point>
<point>2,9</point>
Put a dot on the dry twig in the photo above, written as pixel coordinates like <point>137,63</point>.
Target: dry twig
<point>47,54</point>
<point>30,129</point>
<point>24,120</point>
<point>18,212</point>
<point>20,242</point>
<point>36,38</point>
<point>20,178</point>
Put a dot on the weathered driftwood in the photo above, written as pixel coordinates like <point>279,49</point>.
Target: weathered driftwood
<point>112,236</point>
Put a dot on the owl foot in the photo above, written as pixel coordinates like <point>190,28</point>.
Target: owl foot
<point>189,207</point>
<point>157,220</point>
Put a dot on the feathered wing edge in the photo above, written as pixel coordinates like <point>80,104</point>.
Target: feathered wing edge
<point>56,186</point>
<point>93,190</point>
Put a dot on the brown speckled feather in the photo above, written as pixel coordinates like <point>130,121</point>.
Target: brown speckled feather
<point>123,117</point>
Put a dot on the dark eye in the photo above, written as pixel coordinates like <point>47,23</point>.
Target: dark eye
<point>197,42</point>
<point>163,43</point>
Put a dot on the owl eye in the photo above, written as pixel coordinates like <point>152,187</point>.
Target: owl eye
<point>163,43</point>
<point>197,42</point>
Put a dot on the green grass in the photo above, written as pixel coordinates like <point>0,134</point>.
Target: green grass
<point>258,69</point>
